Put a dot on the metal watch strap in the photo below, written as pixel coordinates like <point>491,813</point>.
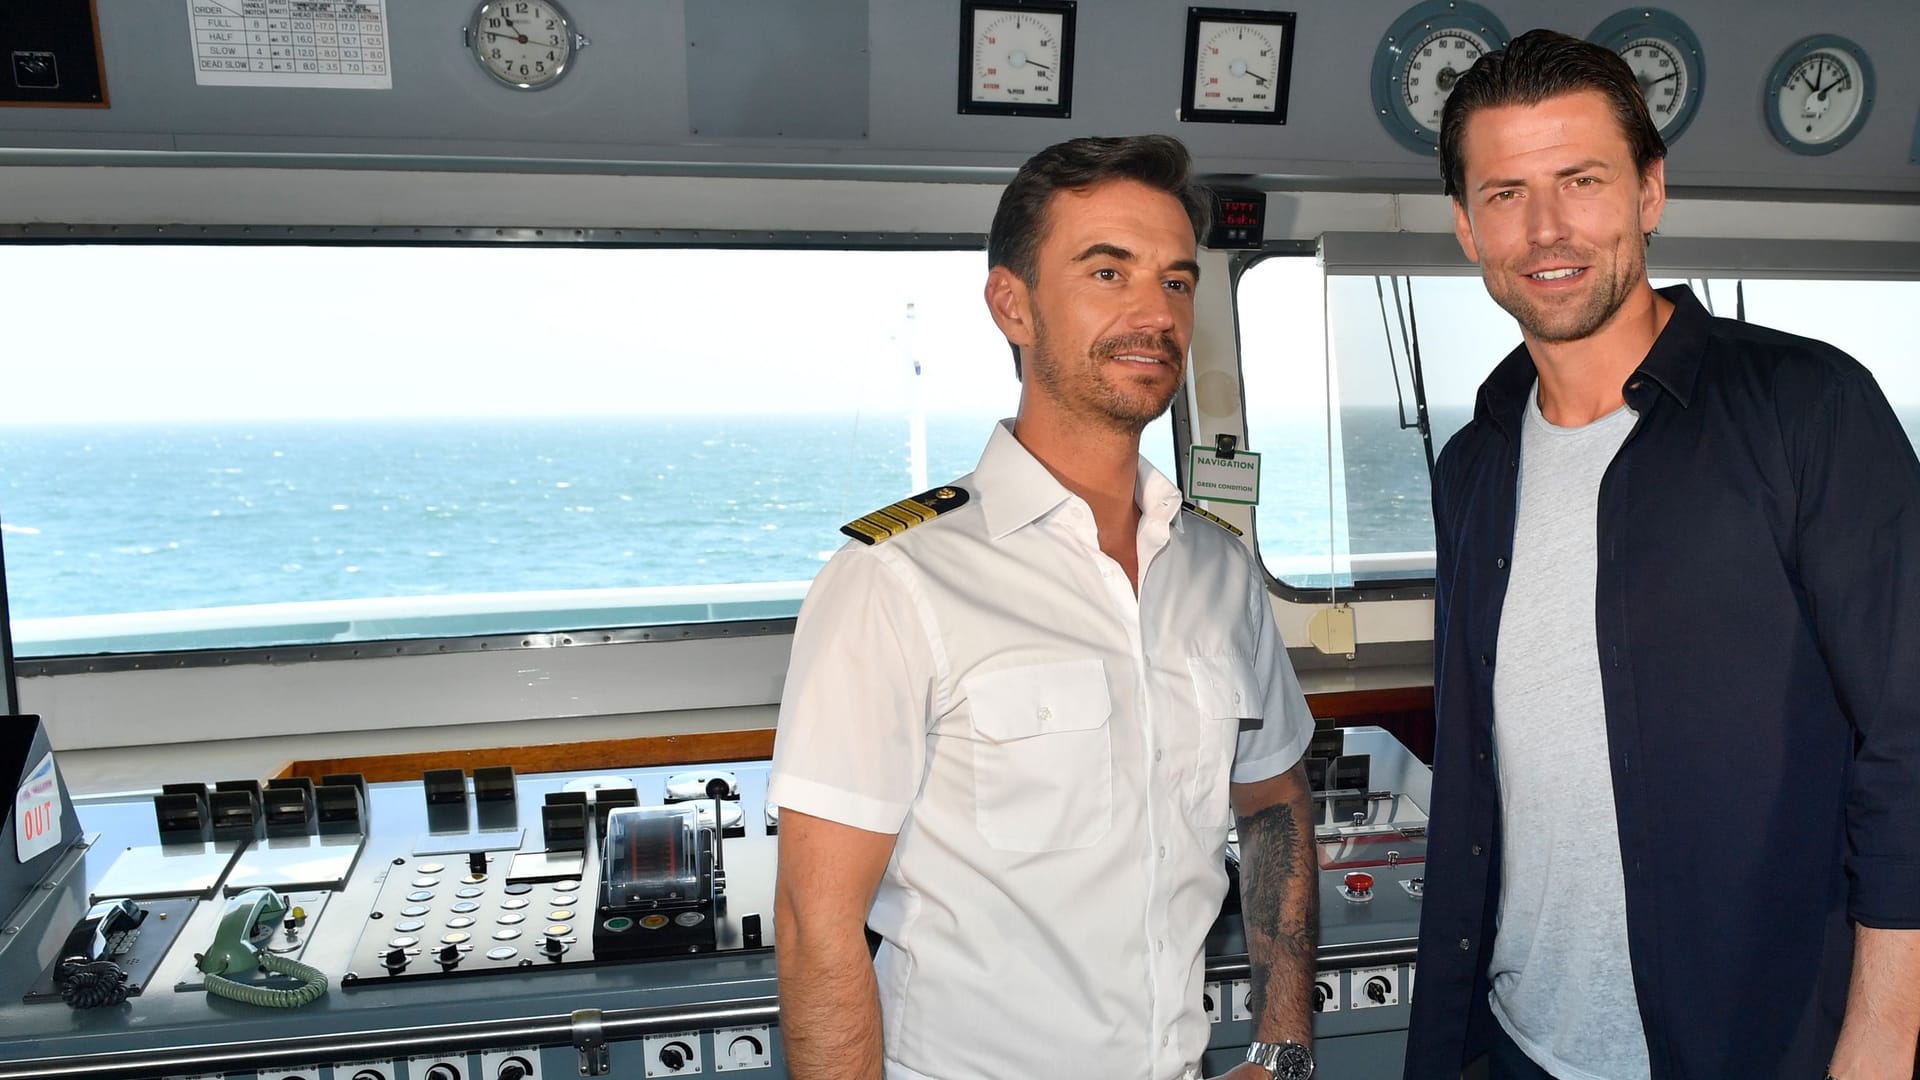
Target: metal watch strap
<point>1283,1061</point>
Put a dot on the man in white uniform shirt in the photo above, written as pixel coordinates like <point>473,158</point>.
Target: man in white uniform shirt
<point>1024,709</point>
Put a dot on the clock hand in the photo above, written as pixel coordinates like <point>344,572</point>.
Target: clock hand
<point>521,38</point>
<point>1661,79</point>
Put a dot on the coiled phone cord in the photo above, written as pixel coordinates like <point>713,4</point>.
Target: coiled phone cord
<point>313,984</point>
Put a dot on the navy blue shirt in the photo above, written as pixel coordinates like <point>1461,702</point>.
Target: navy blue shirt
<point>1758,618</point>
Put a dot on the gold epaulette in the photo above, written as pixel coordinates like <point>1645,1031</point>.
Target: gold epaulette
<point>890,521</point>
<point>1215,518</point>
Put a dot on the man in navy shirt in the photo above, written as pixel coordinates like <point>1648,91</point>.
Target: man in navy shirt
<point>1676,800</point>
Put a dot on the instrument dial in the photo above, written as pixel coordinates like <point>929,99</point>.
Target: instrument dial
<point>1438,61</point>
<point>1421,58</point>
<point>1666,60</point>
<point>1017,60</point>
<point>1822,98</point>
<point>1238,65</point>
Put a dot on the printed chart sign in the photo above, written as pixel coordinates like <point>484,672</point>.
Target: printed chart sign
<point>338,44</point>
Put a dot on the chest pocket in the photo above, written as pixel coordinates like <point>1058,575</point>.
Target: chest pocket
<point>1042,755</point>
<point>1226,692</point>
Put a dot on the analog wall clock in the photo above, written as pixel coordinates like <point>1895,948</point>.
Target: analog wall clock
<point>1420,58</point>
<point>525,44</point>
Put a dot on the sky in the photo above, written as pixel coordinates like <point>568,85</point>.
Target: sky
<point>121,333</point>
<point>195,333</point>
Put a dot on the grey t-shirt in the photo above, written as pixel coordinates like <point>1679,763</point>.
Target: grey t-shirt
<point>1562,980</point>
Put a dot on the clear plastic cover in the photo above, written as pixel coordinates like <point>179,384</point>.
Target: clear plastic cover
<point>651,857</point>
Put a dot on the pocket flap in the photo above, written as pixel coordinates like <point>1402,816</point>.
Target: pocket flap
<point>1225,686</point>
<point>1017,703</point>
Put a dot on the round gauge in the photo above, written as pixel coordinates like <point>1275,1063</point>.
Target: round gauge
<point>1238,66</point>
<point>1016,58</point>
<point>1418,61</point>
<point>1819,94</point>
<point>526,44</point>
<point>1666,59</point>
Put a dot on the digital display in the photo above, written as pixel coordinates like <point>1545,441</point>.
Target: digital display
<point>1239,219</point>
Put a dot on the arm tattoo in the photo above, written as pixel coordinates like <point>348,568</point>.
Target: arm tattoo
<point>1280,904</point>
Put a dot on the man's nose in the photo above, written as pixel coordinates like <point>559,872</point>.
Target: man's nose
<point>1546,220</point>
<point>1152,307</point>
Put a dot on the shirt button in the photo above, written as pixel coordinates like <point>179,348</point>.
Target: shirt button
<point>1158,753</point>
<point>1163,851</point>
<point>1500,563</point>
<point>1164,1039</point>
<point>1477,849</point>
<point>1045,713</point>
<point>1236,697</point>
<point>1159,946</point>
<point>1465,945</point>
<point>1482,755</point>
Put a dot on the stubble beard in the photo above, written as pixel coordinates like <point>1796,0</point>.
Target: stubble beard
<point>1615,280</point>
<point>1106,403</point>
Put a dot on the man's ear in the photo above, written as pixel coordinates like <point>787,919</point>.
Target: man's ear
<point>1463,232</point>
<point>1010,303</point>
<point>1653,195</point>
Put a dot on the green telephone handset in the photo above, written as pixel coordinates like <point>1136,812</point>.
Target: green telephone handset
<point>237,952</point>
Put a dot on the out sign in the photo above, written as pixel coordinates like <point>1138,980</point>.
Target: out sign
<point>36,811</point>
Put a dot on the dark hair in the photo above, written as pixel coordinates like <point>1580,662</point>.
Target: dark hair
<point>1535,66</point>
<point>1158,161</point>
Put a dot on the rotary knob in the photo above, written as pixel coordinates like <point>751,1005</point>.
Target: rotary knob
<point>675,1055</point>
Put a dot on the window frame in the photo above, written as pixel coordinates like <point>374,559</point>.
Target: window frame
<point>1409,254</point>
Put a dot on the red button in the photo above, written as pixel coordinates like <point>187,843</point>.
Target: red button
<point>1359,882</point>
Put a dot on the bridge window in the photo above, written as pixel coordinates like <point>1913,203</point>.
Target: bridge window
<point>223,446</point>
<point>1345,493</point>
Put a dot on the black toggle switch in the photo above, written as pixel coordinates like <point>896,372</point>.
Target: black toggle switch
<point>395,959</point>
<point>674,1055</point>
<point>477,863</point>
<point>449,954</point>
<point>750,930</point>
<point>1377,990</point>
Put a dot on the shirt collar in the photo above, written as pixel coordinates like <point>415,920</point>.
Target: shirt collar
<point>1015,490</point>
<point>1673,365</point>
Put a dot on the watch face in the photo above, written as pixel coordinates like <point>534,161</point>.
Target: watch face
<point>523,43</point>
<point>1421,58</point>
<point>1293,1062</point>
<point>1017,59</point>
<point>1819,94</point>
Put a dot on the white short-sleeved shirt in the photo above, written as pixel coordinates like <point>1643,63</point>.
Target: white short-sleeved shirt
<point>1053,755</point>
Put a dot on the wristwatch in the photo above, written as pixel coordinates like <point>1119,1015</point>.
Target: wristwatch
<point>1286,1061</point>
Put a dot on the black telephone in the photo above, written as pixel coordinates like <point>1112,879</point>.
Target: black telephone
<point>101,934</point>
<point>85,973</point>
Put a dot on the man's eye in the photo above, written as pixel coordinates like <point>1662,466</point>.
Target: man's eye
<point>1504,196</point>
<point>1177,285</point>
<point>1107,274</point>
<point>1584,181</point>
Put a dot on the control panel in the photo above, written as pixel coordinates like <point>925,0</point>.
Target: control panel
<point>489,925</point>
